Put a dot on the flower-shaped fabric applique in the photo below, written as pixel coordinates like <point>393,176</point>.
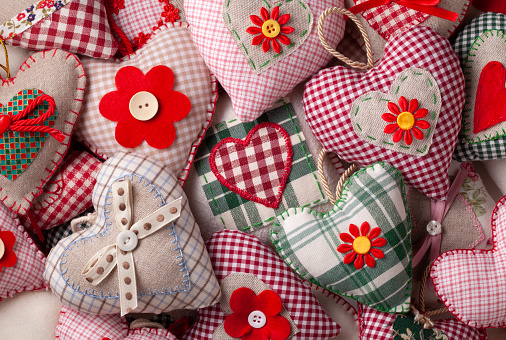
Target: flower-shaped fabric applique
<point>256,317</point>
<point>406,120</point>
<point>145,107</point>
<point>270,29</point>
<point>7,256</point>
<point>361,247</point>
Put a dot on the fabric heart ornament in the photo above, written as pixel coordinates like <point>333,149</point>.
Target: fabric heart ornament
<point>260,50</point>
<point>46,25</point>
<point>242,261</point>
<point>331,251</point>
<point>152,102</point>
<point>139,207</point>
<point>480,47</point>
<point>464,279</point>
<point>40,107</point>
<point>377,115</point>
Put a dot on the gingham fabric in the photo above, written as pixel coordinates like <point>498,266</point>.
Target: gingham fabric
<point>235,252</point>
<point>78,27</point>
<point>74,325</point>
<point>204,289</point>
<point>491,149</point>
<point>253,93</point>
<point>471,282</point>
<point>235,212</point>
<point>307,240</point>
<point>329,96</point>
<point>192,78</point>
<point>26,274</point>
<point>68,193</point>
<point>376,325</point>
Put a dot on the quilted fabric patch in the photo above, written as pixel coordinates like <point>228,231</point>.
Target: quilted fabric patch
<point>238,208</point>
<point>328,108</point>
<point>231,252</point>
<point>373,264</point>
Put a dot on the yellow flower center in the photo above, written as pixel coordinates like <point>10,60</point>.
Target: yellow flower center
<point>405,120</point>
<point>271,28</point>
<point>362,245</point>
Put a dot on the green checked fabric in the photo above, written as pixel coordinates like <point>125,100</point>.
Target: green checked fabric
<point>234,211</point>
<point>54,235</point>
<point>322,248</point>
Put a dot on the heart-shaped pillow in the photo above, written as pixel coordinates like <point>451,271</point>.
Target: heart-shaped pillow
<point>260,50</point>
<point>406,111</point>
<point>471,282</point>
<point>46,95</point>
<point>482,51</point>
<point>373,264</point>
<point>178,86</point>
<point>136,200</point>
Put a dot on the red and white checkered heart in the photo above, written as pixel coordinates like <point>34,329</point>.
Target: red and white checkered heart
<point>329,99</point>
<point>257,167</point>
<point>471,283</point>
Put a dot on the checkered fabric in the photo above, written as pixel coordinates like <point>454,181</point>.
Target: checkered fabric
<point>328,99</point>
<point>204,289</point>
<point>253,93</point>
<point>235,212</point>
<point>232,252</point>
<point>376,325</point>
<point>491,149</point>
<point>78,27</point>
<point>307,240</point>
<point>192,78</point>
<point>26,274</point>
<point>68,193</point>
<point>471,282</point>
<point>74,325</point>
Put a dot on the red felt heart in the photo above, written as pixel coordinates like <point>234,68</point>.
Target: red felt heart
<point>490,106</point>
<point>5,121</point>
<point>257,167</point>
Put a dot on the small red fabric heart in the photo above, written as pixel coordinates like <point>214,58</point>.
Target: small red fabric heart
<point>5,121</point>
<point>490,106</point>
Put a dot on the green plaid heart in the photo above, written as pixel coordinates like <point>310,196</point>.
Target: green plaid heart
<point>372,264</point>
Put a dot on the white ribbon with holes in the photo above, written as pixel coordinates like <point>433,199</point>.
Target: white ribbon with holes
<point>120,253</point>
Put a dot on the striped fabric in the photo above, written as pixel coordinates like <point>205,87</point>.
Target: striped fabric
<point>308,241</point>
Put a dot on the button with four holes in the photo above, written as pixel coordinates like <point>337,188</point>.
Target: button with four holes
<point>143,106</point>
<point>257,319</point>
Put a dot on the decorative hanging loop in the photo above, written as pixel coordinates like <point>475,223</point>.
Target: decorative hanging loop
<point>338,55</point>
<point>6,67</point>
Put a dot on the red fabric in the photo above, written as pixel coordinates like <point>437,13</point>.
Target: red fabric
<point>424,6</point>
<point>159,132</point>
<point>490,106</point>
<point>498,6</point>
<point>8,258</point>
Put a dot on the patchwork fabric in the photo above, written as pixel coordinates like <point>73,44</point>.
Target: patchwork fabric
<point>77,26</point>
<point>26,273</point>
<point>69,257</point>
<point>470,282</point>
<point>231,209</point>
<point>192,78</point>
<point>252,93</point>
<point>478,44</point>
<point>319,249</point>
<point>328,108</point>
<point>235,252</point>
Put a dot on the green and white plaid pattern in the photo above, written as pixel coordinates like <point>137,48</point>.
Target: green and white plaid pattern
<point>54,235</point>
<point>491,149</point>
<point>235,212</point>
<point>307,240</point>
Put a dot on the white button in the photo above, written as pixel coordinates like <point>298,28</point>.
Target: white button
<point>143,106</point>
<point>2,248</point>
<point>434,228</point>
<point>257,319</point>
<point>127,240</point>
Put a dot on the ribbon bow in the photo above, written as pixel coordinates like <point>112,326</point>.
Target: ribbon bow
<point>120,253</point>
<point>424,6</point>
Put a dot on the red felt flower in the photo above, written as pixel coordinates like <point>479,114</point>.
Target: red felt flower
<point>7,256</point>
<point>270,29</point>
<point>156,126</point>
<point>362,243</point>
<point>256,317</point>
<point>406,120</point>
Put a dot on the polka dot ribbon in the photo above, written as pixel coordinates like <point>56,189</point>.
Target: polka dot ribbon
<point>120,253</point>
